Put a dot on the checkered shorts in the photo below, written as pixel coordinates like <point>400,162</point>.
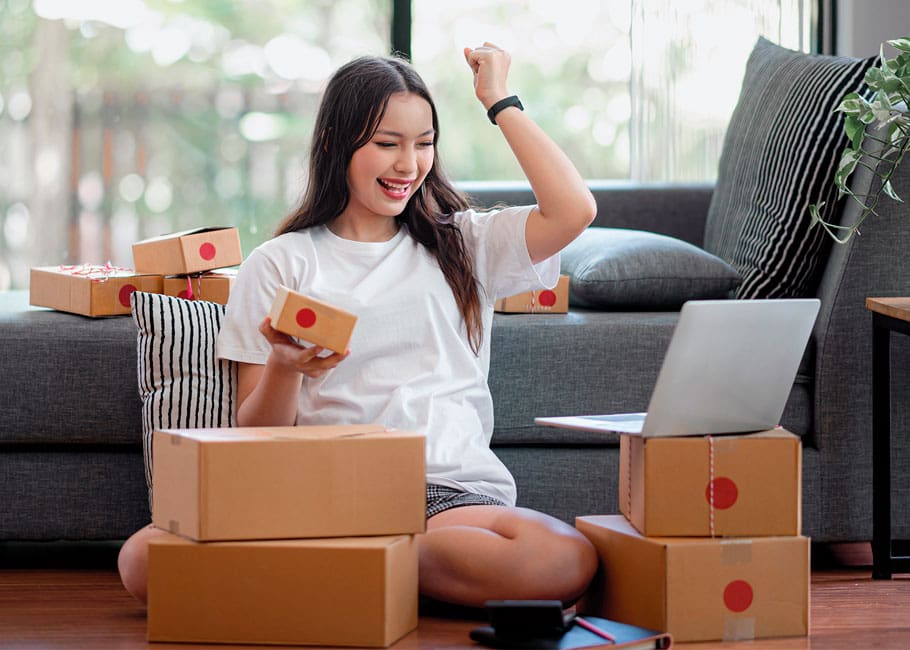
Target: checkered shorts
<point>441,498</point>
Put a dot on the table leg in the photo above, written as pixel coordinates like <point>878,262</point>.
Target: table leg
<point>881,451</point>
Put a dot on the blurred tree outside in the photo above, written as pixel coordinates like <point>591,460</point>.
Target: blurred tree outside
<point>124,120</point>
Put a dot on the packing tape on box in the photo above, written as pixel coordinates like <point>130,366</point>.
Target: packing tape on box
<point>739,628</point>
<point>735,551</point>
<point>711,484</point>
<point>629,479</point>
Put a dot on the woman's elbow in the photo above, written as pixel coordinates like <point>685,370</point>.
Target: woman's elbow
<point>588,210</point>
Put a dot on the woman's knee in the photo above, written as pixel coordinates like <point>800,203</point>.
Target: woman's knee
<point>581,563</point>
<point>574,563</point>
<point>567,559</point>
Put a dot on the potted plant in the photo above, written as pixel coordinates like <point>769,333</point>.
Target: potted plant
<point>885,112</point>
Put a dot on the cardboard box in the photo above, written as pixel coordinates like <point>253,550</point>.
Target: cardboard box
<point>189,251</point>
<point>288,482</point>
<point>696,588</point>
<point>667,485</point>
<point>347,592</point>
<point>312,320</point>
<point>212,286</point>
<point>88,289</point>
<point>545,301</point>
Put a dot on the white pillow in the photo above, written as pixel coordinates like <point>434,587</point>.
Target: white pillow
<point>181,383</point>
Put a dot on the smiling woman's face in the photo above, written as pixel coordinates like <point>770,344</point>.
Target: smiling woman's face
<point>385,172</point>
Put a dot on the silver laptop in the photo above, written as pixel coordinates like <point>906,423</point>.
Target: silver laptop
<point>729,368</point>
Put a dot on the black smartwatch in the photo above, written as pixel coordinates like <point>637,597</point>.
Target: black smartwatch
<point>511,100</point>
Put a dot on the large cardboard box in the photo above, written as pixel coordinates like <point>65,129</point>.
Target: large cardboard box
<point>697,588</point>
<point>344,591</point>
<point>88,289</point>
<point>212,286</point>
<point>729,485</point>
<point>189,251</point>
<point>312,320</point>
<point>546,301</point>
<point>288,482</point>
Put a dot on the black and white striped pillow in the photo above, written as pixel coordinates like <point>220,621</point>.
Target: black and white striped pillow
<point>181,383</point>
<point>780,153</point>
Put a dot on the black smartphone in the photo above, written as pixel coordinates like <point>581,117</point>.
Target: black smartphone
<point>528,618</point>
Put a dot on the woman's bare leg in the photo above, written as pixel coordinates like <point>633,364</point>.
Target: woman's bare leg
<point>472,554</point>
<point>133,561</point>
<point>467,556</point>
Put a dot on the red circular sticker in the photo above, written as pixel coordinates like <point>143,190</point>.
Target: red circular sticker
<point>547,298</point>
<point>306,317</point>
<point>725,492</point>
<point>738,596</point>
<point>207,251</point>
<point>125,292</point>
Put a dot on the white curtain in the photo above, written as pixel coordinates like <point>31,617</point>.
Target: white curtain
<point>688,60</point>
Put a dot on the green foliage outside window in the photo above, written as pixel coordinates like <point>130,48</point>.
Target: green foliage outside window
<point>128,119</point>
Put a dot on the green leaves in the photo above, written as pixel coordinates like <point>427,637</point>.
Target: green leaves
<point>880,117</point>
<point>848,161</point>
<point>902,44</point>
<point>855,129</point>
<point>815,213</point>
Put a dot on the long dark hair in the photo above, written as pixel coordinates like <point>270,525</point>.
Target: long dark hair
<point>352,107</point>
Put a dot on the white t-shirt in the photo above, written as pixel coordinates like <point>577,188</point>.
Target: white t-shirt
<point>411,366</point>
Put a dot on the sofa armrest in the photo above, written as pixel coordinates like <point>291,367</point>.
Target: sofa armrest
<point>677,209</point>
<point>874,263</point>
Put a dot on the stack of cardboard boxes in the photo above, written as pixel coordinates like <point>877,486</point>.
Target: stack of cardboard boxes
<point>286,535</point>
<point>708,545</point>
<point>187,261</point>
<point>180,264</point>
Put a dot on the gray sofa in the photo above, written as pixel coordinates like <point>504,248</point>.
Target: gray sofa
<point>70,434</point>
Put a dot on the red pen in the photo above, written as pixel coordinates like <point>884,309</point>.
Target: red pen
<point>590,627</point>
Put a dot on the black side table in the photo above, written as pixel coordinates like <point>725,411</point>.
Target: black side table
<point>888,315</point>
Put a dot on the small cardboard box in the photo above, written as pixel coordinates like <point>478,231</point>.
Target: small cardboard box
<point>88,289</point>
<point>212,286</point>
<point>696,588</point>
<point>545,301</point>
<point>331,592</point>
<point>312,320</point>
<point>288,482</point>
<point>667,485</point>
<point>189,251</point>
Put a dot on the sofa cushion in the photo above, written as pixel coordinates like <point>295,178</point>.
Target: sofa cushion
<point>779,155</point>
<point>62,377</point>
<point>589,362</point>
<point>181,383</point>
<point>614,268</point>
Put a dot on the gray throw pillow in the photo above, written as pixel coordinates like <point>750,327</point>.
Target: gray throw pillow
<point>615,268</point>
<point>780,152</point>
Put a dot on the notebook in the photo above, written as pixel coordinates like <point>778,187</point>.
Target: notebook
<point>729,368</point>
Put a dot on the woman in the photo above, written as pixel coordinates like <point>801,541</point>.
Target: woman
<point>380,232</point>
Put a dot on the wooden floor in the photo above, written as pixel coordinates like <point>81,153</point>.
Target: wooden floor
<point>75,601</point>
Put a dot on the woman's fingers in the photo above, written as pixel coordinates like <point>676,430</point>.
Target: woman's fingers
<point>305,359</point>
<point>490,65</point>
<point>317,366</point>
